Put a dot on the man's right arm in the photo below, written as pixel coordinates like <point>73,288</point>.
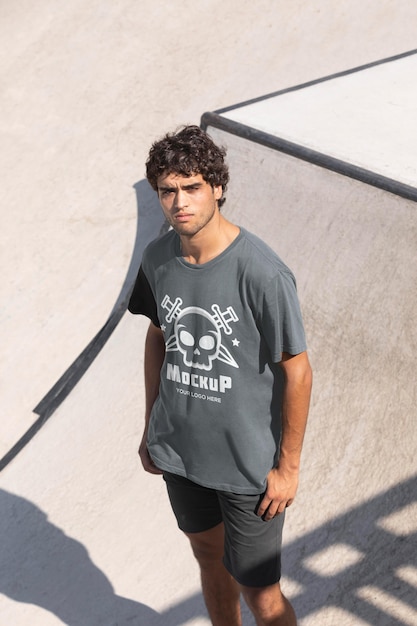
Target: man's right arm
<point>154,358</point>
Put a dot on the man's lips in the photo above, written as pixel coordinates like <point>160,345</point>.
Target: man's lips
<point>182,217</point>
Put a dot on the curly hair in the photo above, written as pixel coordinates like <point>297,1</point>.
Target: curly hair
<point>185,152</point>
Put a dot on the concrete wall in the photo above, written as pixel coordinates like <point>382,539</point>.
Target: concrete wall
<point>353,249</point>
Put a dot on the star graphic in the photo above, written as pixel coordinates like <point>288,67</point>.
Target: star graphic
<point>163,328</point>
<point>235,342</point>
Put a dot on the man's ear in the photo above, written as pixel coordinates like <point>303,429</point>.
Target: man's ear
<point>218,192</point>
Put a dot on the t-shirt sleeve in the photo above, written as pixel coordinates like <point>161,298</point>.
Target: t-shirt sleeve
<point>142,300</point>
<point>282,324</point>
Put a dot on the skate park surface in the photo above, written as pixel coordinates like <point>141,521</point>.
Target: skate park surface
<point>87,537</point>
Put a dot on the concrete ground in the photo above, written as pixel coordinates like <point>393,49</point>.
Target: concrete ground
<point>87,538</point>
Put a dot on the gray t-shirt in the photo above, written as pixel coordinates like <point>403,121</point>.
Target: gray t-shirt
<point>217,418</point>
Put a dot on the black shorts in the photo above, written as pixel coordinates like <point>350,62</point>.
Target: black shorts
<point>252,547</point>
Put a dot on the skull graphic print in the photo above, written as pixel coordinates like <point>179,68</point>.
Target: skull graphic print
<point>197,335</point>
<point>198,338</point>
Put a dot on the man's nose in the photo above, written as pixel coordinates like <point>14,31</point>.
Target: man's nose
<point>180,199</point>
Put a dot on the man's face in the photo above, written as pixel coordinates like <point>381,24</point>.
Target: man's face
<point>189,203</point>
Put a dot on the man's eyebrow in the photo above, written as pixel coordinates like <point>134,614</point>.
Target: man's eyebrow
<point>186,186</point>
<point>198,183</point>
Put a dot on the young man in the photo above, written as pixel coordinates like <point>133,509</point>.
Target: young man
<point>227,381</point>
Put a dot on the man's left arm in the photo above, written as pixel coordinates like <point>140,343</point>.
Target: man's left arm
<point>282,481</point>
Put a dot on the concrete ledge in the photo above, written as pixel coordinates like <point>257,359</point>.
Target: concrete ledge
<point>285,125</point>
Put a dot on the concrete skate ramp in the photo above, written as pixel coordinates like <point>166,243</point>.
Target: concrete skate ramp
<point>87,538</point>
<point>353,248</point>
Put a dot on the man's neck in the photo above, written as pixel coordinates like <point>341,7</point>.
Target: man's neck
<point>209,243</point>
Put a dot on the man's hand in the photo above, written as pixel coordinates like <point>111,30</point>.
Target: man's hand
<point>280,492</point>
<point>145,457</point>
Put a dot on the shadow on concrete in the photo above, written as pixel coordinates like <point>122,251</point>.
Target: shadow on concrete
<point>365,548</point>
<point>150,223</point>
<point>44,567</point>
<point>356,558</point>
